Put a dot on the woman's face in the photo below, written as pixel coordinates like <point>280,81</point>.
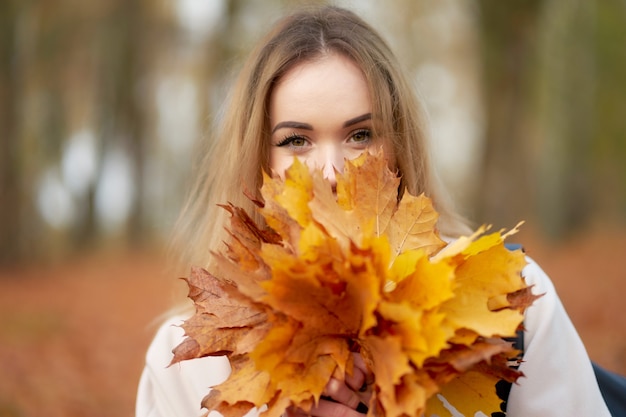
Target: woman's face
<point>320,112</point>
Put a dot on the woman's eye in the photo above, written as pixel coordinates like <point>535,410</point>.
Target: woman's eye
<point>361,136</point>
<point>297,141</point>
<point>293,140</point>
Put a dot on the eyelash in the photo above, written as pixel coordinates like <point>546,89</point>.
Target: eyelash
<point>287,140</point>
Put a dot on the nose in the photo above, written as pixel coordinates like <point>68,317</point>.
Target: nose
<point>329,173</point>
<point>330,160</point>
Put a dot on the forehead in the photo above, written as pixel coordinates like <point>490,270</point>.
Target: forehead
<point>330,83</point>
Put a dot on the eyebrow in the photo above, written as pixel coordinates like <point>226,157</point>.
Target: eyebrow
<point>358,119</point>
<point>306,126</point>
<point>293,125</point>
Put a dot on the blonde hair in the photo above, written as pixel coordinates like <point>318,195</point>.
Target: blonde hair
<point>240,151</point>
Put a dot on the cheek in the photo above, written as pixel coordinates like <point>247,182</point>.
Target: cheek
<point>279,163</point>
<point>388,152</point>
<point>391,157</point>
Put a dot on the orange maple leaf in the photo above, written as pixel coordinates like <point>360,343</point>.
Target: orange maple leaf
<point>356,271</point>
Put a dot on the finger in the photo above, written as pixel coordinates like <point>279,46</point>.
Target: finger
<point>356,380</point>
<point>294,412</point>
<point>359,363</point>
<point>341,393</point>
<point>361,379</point>
<point>327,408</point>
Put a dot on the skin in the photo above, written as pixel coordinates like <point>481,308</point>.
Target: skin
<point>320,112</point>
<point>342,396</point>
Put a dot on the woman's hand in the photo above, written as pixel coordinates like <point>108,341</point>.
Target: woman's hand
<point>347,398</point>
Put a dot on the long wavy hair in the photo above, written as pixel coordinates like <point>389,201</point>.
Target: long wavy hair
<point>239,151</point>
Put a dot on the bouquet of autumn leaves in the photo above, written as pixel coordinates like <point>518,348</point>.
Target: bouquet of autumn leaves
<point>357,271</point>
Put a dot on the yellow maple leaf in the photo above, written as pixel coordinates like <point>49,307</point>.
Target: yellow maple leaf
<point>245,387</point>
<point>359,271</point>
<point>468,394</point>
<point>483,276</point>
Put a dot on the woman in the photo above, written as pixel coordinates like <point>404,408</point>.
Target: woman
<point>324,87</point>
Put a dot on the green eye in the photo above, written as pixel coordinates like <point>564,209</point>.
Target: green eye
<point>361,135</point>
<point>294,140</point>
<point>297,141</point>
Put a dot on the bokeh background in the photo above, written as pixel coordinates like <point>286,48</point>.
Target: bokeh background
<point>103,105</point>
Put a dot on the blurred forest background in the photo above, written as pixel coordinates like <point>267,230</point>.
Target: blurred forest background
<point>103,104</point>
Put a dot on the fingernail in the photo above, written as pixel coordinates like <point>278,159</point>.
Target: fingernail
<point>362,408</point>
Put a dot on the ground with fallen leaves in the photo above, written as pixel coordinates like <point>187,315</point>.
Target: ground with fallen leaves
<point>73,334</point>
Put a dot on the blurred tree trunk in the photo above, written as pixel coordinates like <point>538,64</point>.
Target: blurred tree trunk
<point>131,114</point>
<point>565,110</point>
<point>556,145</point>
<point>581,181</point>
<point>121,116</point>
<point>609,110</point>
<point>508,44</point>
<point>10,179</point>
